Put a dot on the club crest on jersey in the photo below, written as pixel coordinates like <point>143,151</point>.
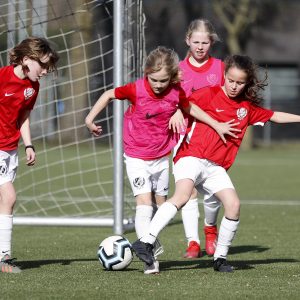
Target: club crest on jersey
<point>28,93</point>
<point>139,182</point>
<point>212,79</point>
<point>241,113</point>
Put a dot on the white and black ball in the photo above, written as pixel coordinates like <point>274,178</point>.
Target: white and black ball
<point>115,253</point>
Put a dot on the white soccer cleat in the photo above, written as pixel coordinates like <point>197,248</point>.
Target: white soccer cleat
<point>153,269</point>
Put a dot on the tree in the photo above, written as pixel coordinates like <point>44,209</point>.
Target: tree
<point>237,17</point>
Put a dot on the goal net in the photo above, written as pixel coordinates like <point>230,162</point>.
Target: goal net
<point>72,181</point>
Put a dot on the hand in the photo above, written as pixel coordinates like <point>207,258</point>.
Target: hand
<point>30,157</point>
<point>227,128</point>
<point>94,129</point>
<point>177,122</point>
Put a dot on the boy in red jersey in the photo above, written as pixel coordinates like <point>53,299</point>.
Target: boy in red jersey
<point>202,160</point>
<point>32,59</point>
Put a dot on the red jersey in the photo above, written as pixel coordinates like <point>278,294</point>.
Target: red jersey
<point>16,96</point>
<point>203,141</point>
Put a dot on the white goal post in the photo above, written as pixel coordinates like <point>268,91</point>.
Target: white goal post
<point>78,180</point>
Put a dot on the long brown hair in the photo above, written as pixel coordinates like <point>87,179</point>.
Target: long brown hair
<point>34,48</point>
<point>254,85</point>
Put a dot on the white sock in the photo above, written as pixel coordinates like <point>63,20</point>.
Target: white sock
<point>211,209</point>
<point>163,216</point>
<point>226,235</point>
<point>190,214</point>
<point>143,216</point>
<point>6,224</point>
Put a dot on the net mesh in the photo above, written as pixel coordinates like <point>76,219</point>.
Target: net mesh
<point>74,172</point>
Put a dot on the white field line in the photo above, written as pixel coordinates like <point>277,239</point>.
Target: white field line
<point>77,200</point>
<point>269,202</point>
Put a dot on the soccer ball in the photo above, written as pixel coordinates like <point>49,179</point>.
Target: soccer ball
<point>115,253</point>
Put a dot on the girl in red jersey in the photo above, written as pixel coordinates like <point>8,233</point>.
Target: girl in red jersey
<point>147,137</point>
<point>32,59</point>
<point>202,160</point>
<point>199,70</point>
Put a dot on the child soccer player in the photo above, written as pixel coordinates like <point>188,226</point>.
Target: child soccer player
<point>202,159</point>
<point>148,139</point>
<point>32,59</point>
<point>199,70</point>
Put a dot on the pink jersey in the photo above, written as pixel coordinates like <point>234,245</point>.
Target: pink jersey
<point>16,96</point>
<point>210,74</point>
<point>146,130</point>
<point>202,141</point>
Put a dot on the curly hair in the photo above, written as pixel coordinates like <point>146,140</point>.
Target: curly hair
<point>254,85</point>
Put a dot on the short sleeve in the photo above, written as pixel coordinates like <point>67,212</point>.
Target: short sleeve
<point>127,91</point>
<point>201,97</point>
<point>183,100</point>
<point>259,115</point>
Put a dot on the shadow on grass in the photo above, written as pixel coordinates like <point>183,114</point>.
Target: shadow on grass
<point>205,263</point>
<point>247,248</point>
<point>33,264</point>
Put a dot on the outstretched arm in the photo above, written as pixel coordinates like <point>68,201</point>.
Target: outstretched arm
<point>101,103</point>
<point>221,128</point>
<point>283,117</point>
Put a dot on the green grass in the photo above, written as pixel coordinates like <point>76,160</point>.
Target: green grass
<point>61,263</point>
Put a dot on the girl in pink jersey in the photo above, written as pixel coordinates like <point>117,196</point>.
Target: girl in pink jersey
<point>199,70</point>
<point>147,135</point>
<point>32,59</point>
<point>202,160</point>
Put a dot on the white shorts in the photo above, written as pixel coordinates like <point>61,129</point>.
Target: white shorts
<point>209,178</point>
<point>8,166</point>
<point>147,176</point>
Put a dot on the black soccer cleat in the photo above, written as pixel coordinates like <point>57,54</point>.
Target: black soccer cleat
<point>221,265</point>
<point>144,251</point>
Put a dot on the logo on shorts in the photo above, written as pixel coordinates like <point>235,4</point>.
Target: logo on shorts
<point>3,168</point>
<point>139,182</point>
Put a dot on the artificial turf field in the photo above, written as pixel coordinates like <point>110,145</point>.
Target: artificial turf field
<point>61,263</point>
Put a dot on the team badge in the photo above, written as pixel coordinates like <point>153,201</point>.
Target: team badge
<point>241,113</point>
<point>28,93</point>
<point>139,182</point>
<point>212,79</point>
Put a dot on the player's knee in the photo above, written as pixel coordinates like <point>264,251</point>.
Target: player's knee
<point>9,199</point>
<point>235,208</point>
